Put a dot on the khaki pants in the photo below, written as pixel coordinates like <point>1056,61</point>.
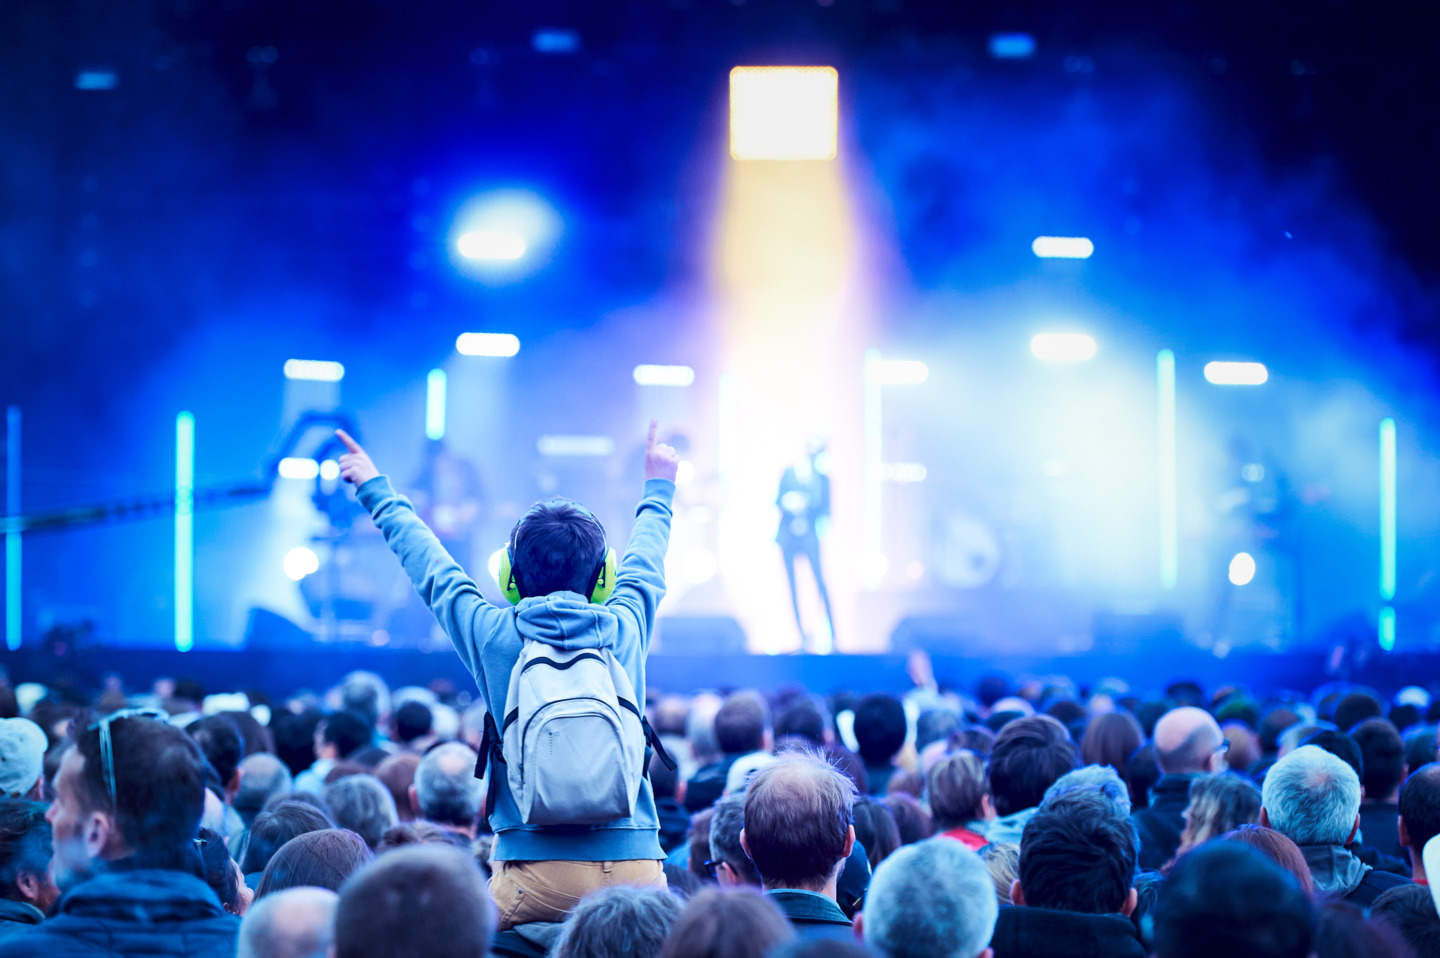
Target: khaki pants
<point>547,891</point>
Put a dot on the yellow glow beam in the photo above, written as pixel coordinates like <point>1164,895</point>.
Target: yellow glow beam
<point>784,113</point>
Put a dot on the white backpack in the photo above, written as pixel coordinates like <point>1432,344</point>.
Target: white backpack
<point>574,741</point>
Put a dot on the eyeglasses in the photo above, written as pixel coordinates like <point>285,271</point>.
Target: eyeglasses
<point>711,867</point>
<point>107,746</point>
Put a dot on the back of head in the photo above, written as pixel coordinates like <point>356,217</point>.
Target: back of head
<point>363,805</point>
<point>741,723</point>
<point>1278,848</point>
<point>932,900</point>
<point>25,844</point>
<point>1102,780</point>
<point>806,719</point>
<point>419,833</point>
<point>1420,746</point>
<point>274,828</point>
<point>415,902</point>
<point>1341,931</point>
<point>1110,739</point>
<point>262,777</point>
<point>935,725</point>
<point>1185,740</point>
<point>1218,804</point>
<point>1420,805</point>
<point>348,732</point>
<point>219,738</point>
<point>412,720</point>
<point>1410,910</point>
<point>1341,746</point>
<point>446,787</point>
<point>558,545</point>
<point>618,922</point>
<point>875,829</point>
<point>1356,708</point>
<point>1029,755</point>
<point>727,924</point>
<point>397,773</point>
<point>159,784</point>
<point>914,824</point>
<point>295,738</point>
<point>1312,796</point>
<point>1226,899</point>
<point>323,859</point>
<point>956,786</point>
<point>294,923</point>
<point>726,822</point>
<point>880,728</point>
<point>1079,854</point>
<point>1382,756</point>
<point>366,695</point>
<point>798,814</point>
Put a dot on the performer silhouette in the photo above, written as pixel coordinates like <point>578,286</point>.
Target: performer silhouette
<point>804,501</point>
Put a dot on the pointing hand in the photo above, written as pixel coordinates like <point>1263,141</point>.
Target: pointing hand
<point>355,465</point>
<point>661,461</point>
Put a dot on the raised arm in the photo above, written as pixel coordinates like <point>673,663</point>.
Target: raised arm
<point>445,587</point>
<point>640,580</point>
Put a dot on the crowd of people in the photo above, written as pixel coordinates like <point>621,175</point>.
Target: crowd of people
<point>572,811</point>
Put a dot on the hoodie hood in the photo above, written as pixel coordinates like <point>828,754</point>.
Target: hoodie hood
<point>1334,869</point>
<point>567,620</point>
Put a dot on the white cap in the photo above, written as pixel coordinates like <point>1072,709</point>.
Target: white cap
<point>22,755</point>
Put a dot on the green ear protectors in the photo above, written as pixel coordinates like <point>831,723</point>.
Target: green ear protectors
<point>602,580</point>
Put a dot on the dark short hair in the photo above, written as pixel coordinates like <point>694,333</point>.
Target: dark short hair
<point>741,723</point>
<point>320,859</point>
<point>1420,747</point>
<point>1420,805</point>
<point>798,811</point>
<point>1410,910</point>
<point>1382,752</point>
<point>875,829</point>
<point>274,828</point>
<point>413,903</point>
<point>880,727</point>
<point>558,545</point>
<point>737,923</point>
<point>219,738</point>
<point>348,732</point>
<point>1279,848</point>
<point>219,867</point>
<point>1078,854</point>
<point>1110,739</point>
<point>25,843</point>
<point>1341,929</point>
<point>1341,746</point>
<point>910,818</point>
<point>364,805</point>
<point>1029,755</point>
<point>1226,899</point>
<point>413,720</point>
<point>397,773</point>
<point>618,921</point>
<point>159,783</point>
<point>803,719</point>
<point>1356,708</point>
<point>727,818</point>
<point>295,738</point>
<point>935,725</point>
<point>956,786</point>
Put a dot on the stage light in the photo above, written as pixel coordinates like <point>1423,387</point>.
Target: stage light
<point>1169,509</point>
<point>500,345</point>
<point>317,370</point>
<point>555,41</point>
<point>904,473</point>
<point>300,562</point>
<point>12,536</point>
<point>97,80</point>
<point>1236,374</point>
<point>493,565</point>
<point>1011,46</point>
<point>329,470</point>
<point>435,404</point>
<point>700,566</point>
<point>664,375</point>
<point>1387,509</point>
<point>1062,347</point>
<point>1242,569</point>
<point>575,445</point>
<point>298,468</point>
<point>1387,628</point>
<point>896,372</point>
<point>1063,247</point>
<point>184,531</point>
<point>784,113</point>
<point>684,472</point>
<point>491,245</point>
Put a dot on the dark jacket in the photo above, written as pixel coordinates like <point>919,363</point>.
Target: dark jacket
<point>17,916</point>
<point>1339,874</point>
<point>674,824</point>
<point>708,784</point>
<point>149,912</point>
<point>1023,932</point>
<point>1160,825</point>
<point>1380,829</point>
<point>814,916</point>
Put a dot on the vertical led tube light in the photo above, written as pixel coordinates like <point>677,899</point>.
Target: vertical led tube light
<point>874,475</point>
<point>12,536</point>
<point>435,404</point>
<point>1387,509</point>
<point>184,531</point>
<point>1169,523</point>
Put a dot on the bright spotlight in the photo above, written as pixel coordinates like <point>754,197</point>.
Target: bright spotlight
<point>494,566</point>
<point>1236,374</point>
<point>1062,347</point>
<point>664,375</point>
<point>1011,46</point>
<point>329,470</point>
<point>502,345</point>
<point>298,468</point>
<point>491,245</point>
<point>904,473</point>
<point>318,370</point>
<point>1242,569</point>
<point>784,113</point>
<point>1063,247</point>
<point>597,446</point>
<point>300,562</point>
<point>700,566</point>
<point>896,372</point>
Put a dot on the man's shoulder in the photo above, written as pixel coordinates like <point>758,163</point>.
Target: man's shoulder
<point>808,908</point>
<point>1383,880</point>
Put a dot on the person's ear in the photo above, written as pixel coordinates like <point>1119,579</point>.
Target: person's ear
<point>767,741</point>
<point>1404,832</point>
<point>849,842</point>
<point>987,953</point>
<point>1264,817</point>
<point>1354,830</point>
<point>415,800</point>
<point>97,832</point>
<point>987,807</point>
<point>29,886</point>
<point>860,926</point>
<point>680,789</point>
<point>1132,901</point>
<point>1017,894</point>
<point>233,786</point>
<point>745,846</point>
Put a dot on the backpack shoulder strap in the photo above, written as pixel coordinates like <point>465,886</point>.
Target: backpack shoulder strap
<point>490,754</point>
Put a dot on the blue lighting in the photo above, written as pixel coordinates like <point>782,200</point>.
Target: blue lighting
<point>96,80</point>
<point>1169,522</point>
<point>1387,628</point>
<point>1062,247</point>
<point>1012,46</point>
<point>435,404</point>
<point>184,531</point>
<point>1387,509</point>
<point>12,536</point>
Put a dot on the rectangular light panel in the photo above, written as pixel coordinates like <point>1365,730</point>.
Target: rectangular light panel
<point>502,345</point>
<point>12,536</point>
<point>316,370</point>
<point>575,445</point>
<point>1387,509</point>
<point>664,376</point>
<point>1236,374</point>
<point>784,113</point>
<point>1063,247</point>
<point>435,404</point>
<point>184,531</point>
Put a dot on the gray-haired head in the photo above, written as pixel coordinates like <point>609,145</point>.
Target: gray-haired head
<point>726,823</point>
<point>446,788</point>
<point>367,695</point>
<point>292,923</point>
<point>618,922</point>
<point>1312,797</point>
<point>1101,777</point>
<point>262,777</point>
<point>930,900</point>
<point>364,805</point>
